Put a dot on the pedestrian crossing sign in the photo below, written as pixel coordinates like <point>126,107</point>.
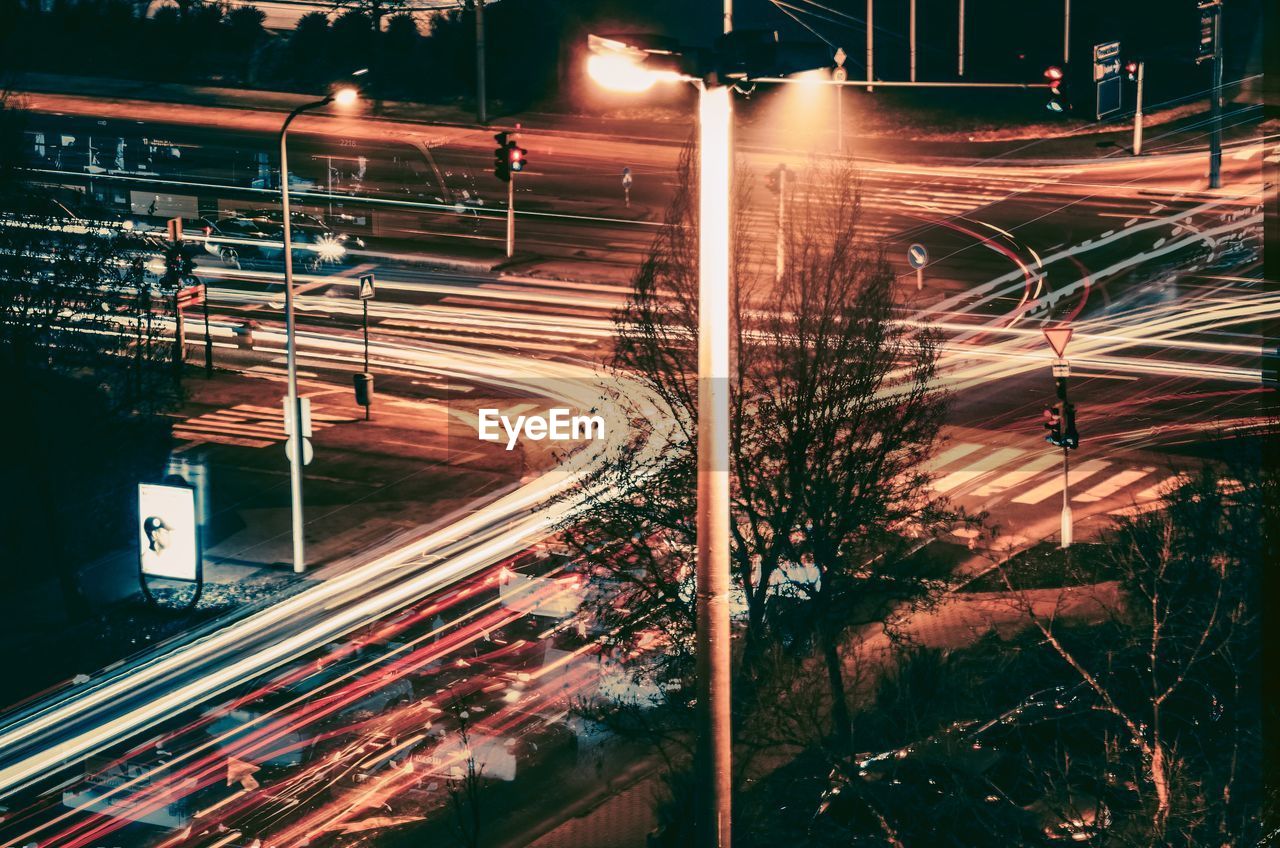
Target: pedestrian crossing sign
<point>366,287</point>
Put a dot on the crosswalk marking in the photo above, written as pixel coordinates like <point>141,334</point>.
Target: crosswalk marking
<point>245,425</point>
<point>1162,488</point>
<point>985,465</point>
<point>951,454</point>
<point>1029,469</point>
<point>1112,484</point>
<point>1054,486</point>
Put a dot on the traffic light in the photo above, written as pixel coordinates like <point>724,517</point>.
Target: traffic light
<point>501,156</point>
<point>1131,69</point>
<point>508,157</point>
<point>1070,436</point>
<point>1057,78</point>
<point>1060,421</point>
<point>517,158</point>
<point>1053,423</point>
<point>772,182</point>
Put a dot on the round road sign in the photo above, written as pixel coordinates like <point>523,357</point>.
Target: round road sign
<point>917,256</point>
<point>840,74</point>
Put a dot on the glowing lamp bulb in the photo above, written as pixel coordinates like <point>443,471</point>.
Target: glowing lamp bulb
<point>345,96</point>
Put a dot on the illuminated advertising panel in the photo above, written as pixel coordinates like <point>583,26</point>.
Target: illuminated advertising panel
<point>168,542</point>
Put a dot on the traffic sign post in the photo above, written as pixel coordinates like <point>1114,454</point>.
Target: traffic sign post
<point>1106,76</point>
<point>1058,337</point>
<point>1210,48</point>
<point>626,186</point>
<point>304,405</point>
<point>364,380</point>
<point>918,257</point>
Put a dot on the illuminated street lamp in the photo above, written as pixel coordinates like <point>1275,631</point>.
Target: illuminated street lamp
<point>345,96</point>
<point>618,66</point>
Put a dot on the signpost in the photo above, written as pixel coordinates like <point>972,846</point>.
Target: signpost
<point>626,186</point>
<point>1106,76</point>
<point>364,380</point>
<point>918,257</point>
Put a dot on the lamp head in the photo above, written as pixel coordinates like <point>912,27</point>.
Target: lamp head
<point>346,96</point>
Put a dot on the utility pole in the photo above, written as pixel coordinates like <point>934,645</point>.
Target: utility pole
<point>728,16</point>
<point>481,114</point>
<point>871,43</point>
<point>913,40</point>
<point>960,41</point>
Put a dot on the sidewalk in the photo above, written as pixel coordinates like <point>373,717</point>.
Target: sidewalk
<point>370,482</point>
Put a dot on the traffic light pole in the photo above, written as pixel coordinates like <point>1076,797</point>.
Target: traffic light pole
<point>208,338</point>
<point>180,334</point>
<point>1215,137</point>
<point>1067,523</point>
<point>511,216</point>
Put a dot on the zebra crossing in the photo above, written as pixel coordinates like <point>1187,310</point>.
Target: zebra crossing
<point>245,425</point>
<point>974,473</point>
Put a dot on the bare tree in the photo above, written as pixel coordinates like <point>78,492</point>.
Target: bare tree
<point>833,414</point>
<point>1176,665</point>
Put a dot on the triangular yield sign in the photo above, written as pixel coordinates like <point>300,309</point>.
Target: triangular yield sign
<point>1058,338</point>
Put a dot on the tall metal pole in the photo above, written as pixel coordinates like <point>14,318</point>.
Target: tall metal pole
<point>291,347</point>
<point>1066,503</point>
<point>481,114</point>
<point>960,42</point>
<point>913,40</point>
<point>511,216</point>
<point>1215,138</point>
<point>1137,113</point>
<point>839,119</point>
<point>871,43</point>
<point>1066,31</point>
<point>728,15</point>
<point>364,302</point>
<point>208,339</point>
<point>713,738</point>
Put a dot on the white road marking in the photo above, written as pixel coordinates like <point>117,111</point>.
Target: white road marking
<point>1112,484</point>
<point>1054,486</point>
<point>985,465</point>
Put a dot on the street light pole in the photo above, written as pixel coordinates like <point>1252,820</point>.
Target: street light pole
<point>1066,31</point>
<point>960,41</point>
<point>1137,112</point>
<point>871,43</point>
<point>913,40</point>
<point>713,737</point>
<point>291,348</point>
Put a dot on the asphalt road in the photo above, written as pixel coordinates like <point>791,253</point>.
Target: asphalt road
<point>1156,276</point>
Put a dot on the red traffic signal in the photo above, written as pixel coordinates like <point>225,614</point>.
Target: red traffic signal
<point>1053,73</point>
<point>516,157</point>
